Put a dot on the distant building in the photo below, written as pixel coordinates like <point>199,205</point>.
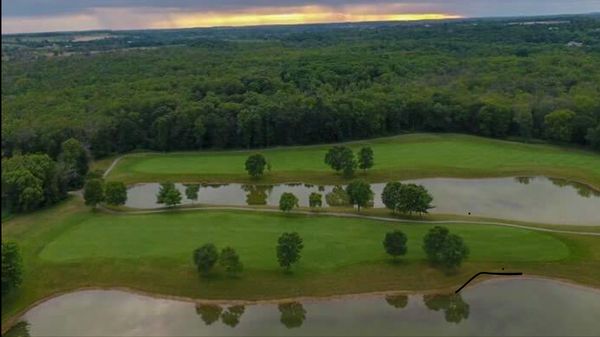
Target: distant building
<point>574,44</point>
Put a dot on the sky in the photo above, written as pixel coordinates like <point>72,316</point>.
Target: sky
<point>23,16</point>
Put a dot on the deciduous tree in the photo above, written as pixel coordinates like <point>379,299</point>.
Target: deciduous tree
<point>255,165</point>
<point>115,193</point>
<point>288,201</point>
<point>289,246</point>
<point>444,248</point>
<point>230,261</point>
<point>360,193</point>
<point>315,200</point>
<point>394,243</point>
<point>93,192</point>
<point>12,267</point>
<point>168,194</point>
<point>365,158</point>
<point>205,258</point>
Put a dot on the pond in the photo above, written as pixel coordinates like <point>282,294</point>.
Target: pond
<point>500,307</point>
<point>535,199</point>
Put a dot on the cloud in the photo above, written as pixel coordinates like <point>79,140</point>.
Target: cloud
<point>52,15</point>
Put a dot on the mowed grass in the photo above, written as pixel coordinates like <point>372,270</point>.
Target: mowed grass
<point>330,242</point>
<point>401,157</point>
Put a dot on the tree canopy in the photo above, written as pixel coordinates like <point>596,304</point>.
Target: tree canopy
<point>394,243</point>
<point>205,258</point>
<point>168,194</point>
<point>359,193</point>
<point>261,87</point>
<point>444,248</point>
<point>115,193</point>
<point>255,165</point>
<point>93,192</point>
<point>287,201</point>
<point>289,246</point>
<point>12,267</point>
<point>406,198</point>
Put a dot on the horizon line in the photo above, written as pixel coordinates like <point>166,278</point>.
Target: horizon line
<point>449,18</point>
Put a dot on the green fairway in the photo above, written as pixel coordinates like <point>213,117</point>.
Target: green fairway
<point>330,242</point>
<point>408,156</point>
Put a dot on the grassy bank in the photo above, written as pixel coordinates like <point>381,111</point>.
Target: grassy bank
<point>401,157</point>
<point>69,246</point>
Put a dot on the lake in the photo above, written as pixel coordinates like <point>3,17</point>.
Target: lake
<point>499,307</point>
<point>535,199</point>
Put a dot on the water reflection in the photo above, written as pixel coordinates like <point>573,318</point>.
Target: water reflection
<point>20,329</point>
<point>509,307</point>
<point>397,301</point>
<point>293,314</point>
<point>524,180</point>
<point>535,199</point>
<point>209,313</point>
<point>582,189</point>
<point>257,194</point>
<point>454,307</point>
<point>231,317</point>
<point>337,197</point>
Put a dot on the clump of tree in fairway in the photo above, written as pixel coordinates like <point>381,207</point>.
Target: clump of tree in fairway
<point>289,246</point>
<point>394,243</point>
<point>12,267</point>
<point>443,248</point>
<point>288,201</point>
<point>406,198</point>
<point>93,192</point>
<point>230,261</point>
<point>115,193</point>
<point>315,200</point>
<point>360,193</point>
<point>365,158</point>
<point>191,191</point>
<point>341,158</point>
<point>205,258</point>
<point>255,165</point>
<point>168,195</point>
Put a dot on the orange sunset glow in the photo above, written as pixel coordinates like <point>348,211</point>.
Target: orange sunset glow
<point>294,15</point>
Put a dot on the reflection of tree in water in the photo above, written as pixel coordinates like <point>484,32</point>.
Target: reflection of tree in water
<point>257,194</point>
<point>337,197</point>
<point>209,313</point>
<point>231,316</point>
<point>397,301</point>
<point>454,307</point>
<point>292,314</point>
<point>211,185</point>
<point>20,329</point>
<point>524,180</point>
<point>582,189</point>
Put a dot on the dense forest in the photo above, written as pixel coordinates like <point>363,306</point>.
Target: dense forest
<point>256,87</point>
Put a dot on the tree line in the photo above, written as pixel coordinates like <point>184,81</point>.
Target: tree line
<point>495,80</point>
<point>441,247</point>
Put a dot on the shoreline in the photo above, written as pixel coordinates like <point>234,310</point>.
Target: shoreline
<point>203,207</point>
<point>10,322</point>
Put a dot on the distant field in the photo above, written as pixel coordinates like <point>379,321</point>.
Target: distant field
<point>407,156</point>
